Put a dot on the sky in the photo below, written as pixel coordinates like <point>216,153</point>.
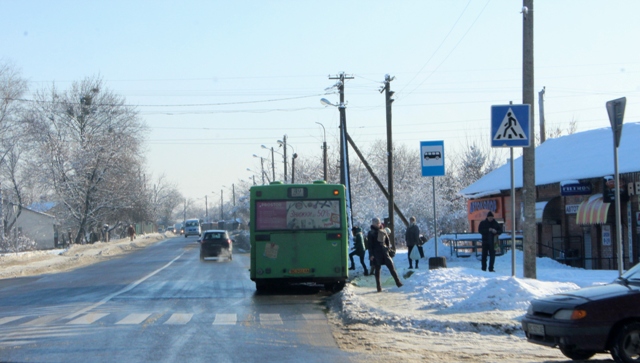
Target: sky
<point>215,80</point>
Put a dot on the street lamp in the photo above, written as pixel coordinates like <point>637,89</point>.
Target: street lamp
<point>324,149</point>
<point>261,166</point>
<point>273,162</point>
<point>281,143</point>
<point>293,168</point>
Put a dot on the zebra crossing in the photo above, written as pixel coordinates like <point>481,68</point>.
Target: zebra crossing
<point>173,319</point>
<point>25,329</point>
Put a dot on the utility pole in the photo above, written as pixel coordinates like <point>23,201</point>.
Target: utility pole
<point>543,133</point>
<point>528,153</point>
<point>388,101</point>
<point>344,148</point>
<point>324,151</point>
<point>206,209</point>
<point>221,201</point>
<point>284,142</point>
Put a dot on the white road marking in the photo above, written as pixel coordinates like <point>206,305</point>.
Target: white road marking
<point>315,318</point>
<point>43,320</point>
<point>133,319</point>
<point>179,319</point>
<point>127,288</point>
<point>225,319</point>
<point>9,319</point>
<point>87,319</point>
<point>270,319</point>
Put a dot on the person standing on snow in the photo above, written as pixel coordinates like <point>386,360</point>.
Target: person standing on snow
<point>379,245</point>
<point>358,249</point>
<point>489,229</point>
<point>412,237</point>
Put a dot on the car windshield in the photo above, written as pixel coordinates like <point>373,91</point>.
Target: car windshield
<point>633,274</point>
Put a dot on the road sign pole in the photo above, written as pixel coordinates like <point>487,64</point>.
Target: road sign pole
<point>615,109</point>
<point>513,218</point>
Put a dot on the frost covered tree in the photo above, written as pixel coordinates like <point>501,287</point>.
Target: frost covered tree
<point>88,142</point>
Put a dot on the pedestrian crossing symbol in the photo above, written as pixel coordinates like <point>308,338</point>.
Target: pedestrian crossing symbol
<point>510,126</point>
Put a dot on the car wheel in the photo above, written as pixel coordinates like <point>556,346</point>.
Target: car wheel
<point>185,236</point>
<point>575,354</point>
<point>626,344</point>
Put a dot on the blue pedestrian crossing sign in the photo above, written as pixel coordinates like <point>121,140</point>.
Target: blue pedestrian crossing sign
<point>510,126</point>
<point>432,156</point>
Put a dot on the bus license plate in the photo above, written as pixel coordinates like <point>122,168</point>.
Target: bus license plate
<point>536,329</point>
<point>299,271</point>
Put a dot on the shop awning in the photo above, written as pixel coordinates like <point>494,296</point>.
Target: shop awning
<point>593,211</point>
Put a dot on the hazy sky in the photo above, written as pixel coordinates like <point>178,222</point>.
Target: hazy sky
<point>215,80</point>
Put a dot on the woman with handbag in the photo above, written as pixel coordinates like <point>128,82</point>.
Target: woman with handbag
<point>379,246</point>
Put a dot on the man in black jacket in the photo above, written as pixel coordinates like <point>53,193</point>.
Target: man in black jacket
<point>489,229</point>
<point>379,244</point>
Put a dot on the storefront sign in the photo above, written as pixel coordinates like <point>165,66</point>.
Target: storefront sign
<point>571,208</point>
<point>478,208</point>
<point>575,189</point>
<point>606,235</point>
<point>629,233</point>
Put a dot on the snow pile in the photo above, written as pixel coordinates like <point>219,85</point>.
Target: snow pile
<point>51,261</point>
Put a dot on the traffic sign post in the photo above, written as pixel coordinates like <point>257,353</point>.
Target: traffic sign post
<point>432,156</point>
<point>511,127</point>
<point>615,109</point>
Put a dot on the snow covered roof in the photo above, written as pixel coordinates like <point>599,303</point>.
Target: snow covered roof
<point>583,155</point>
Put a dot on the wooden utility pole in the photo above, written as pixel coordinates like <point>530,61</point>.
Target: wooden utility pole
<point>529,244</point>
<point>388,101</point>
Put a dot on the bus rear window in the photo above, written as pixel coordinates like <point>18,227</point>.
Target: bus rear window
<point>305,215</point>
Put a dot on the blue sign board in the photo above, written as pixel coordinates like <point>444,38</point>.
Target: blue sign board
<point>575,189</point>
<point>432,156</point>
<point>510,126</point>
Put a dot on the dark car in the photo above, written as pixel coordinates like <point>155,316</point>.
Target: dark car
<point>216,243</point>
<point>591,320</point>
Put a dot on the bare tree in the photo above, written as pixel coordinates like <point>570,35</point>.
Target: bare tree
<point>88,141</point>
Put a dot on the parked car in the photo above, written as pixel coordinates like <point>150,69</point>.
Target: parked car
<point>591,320</point>
<point>216,243</point>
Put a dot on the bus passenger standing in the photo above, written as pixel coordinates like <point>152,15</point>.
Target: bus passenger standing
<point>379,245</point>
<point>358,249</point>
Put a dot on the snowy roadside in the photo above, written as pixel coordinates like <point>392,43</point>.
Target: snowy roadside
<point>458,313</point>
<point>59,260</point>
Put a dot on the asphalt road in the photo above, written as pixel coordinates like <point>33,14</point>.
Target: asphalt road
<point>162,304</point>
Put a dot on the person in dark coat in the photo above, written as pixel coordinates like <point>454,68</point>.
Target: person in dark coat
<point>358,249</point>
<point>379,245</point>
<point>412,237</point>
<point>489,229</point>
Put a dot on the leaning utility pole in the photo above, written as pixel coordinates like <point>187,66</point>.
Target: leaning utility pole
<point>344,148</point>
<point>529,244</point>
<point>388,101</point>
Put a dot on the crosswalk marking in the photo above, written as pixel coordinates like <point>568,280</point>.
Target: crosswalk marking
<point>87,319</point>
<point>26,321</point>
<point>43,320</point>
<point>9,319</point>
<point>133,319</point>
<point>270,319</point>
<point>225,319</point>
<point>315,318</point>
<point>179,319</point>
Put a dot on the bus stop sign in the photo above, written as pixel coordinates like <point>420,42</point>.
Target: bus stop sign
<point>615,109</point>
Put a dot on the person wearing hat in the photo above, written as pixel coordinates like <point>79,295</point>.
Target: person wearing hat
<point>489,229</point>
<point>358,249</point>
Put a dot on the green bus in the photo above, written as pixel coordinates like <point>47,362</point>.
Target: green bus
<point>299,234</point>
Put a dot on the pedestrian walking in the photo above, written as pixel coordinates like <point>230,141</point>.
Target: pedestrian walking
<point>489,229</point>
<point>379,246</point>
<point>412,237</point>
<point>131,232</point>
<point>358,249</point>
